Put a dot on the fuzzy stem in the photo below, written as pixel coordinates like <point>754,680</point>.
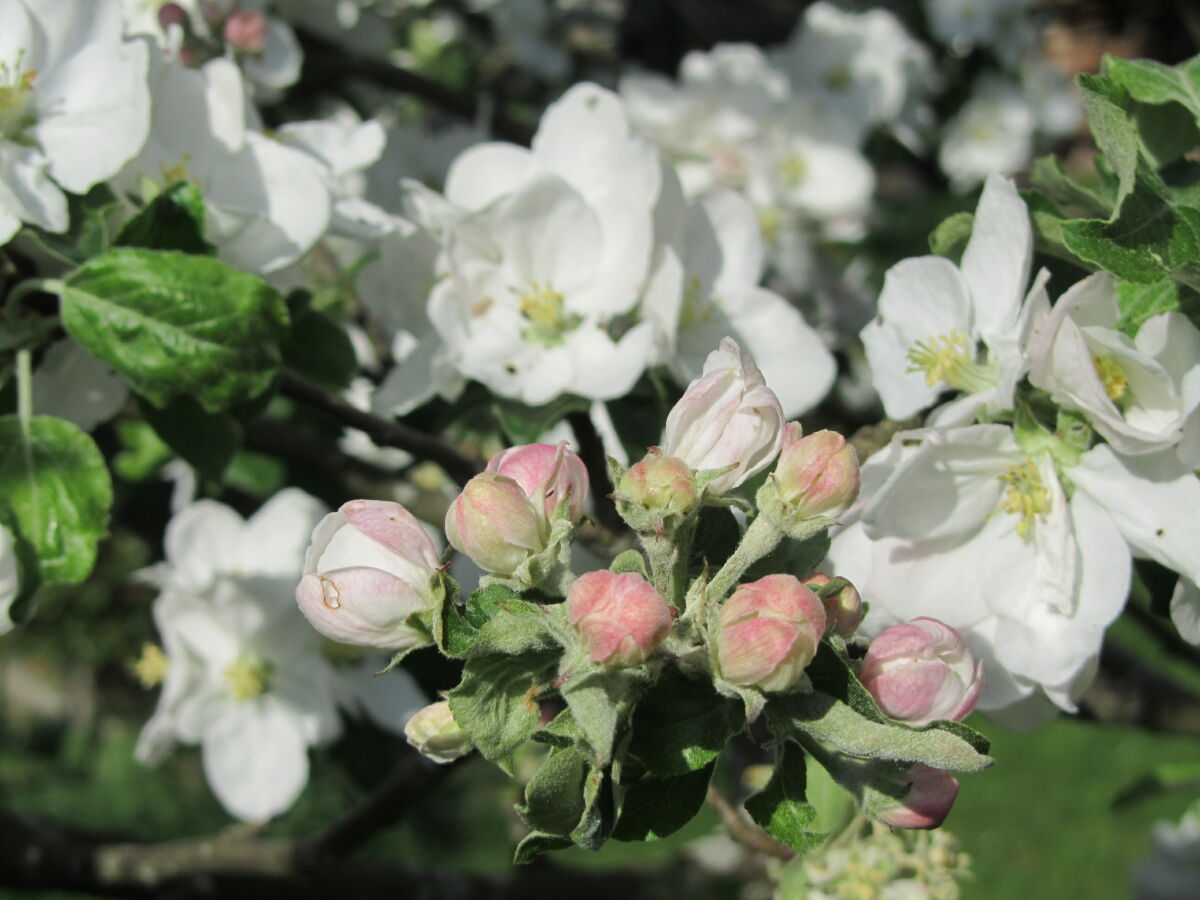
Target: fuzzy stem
<point>760,538</point>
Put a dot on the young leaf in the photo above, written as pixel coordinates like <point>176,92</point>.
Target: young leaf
<point>554,796</point>
<point>57,492</point>
<point>599,702</point>
<point>174,220</point>
<point>1152,82</point>
<point>495,704</point>
<point>652,808</point>
<point>782,808</point>
<point>1107,107</point>
<point>176,324</point>
<point>1140,302</point>
<point>681,725</point>
<point>462,623</point>
<point>951,234</point>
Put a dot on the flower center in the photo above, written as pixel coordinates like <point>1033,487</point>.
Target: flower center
<point>1111,375</point>
<point>694,309</point>
<point>247,678</point>
<point>16,90</point>
<point>150,668</point>
<point>950,358</point>
<point>542,306</point>
<point>1027,497</point>
<point>838,78</point>
<point>793,168</point>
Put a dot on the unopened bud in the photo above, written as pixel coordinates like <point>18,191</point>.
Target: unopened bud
<point>246,32</point>
<point>922,671</point>
<point>768,632</point>
<point>842,602</point>
<point>548,474</point>
<point>493,522</point>
<point>661,486</point>
<point>436,735</point>
<point>368,567</point>
<point>930,795</point>
<point>818,474</point>
<point>620,618</point>
<point>726,417</point>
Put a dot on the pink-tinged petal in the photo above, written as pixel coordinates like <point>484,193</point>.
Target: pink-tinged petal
<point>394,527</point>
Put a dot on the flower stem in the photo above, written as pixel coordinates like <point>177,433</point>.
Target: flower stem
<point>760,538</point>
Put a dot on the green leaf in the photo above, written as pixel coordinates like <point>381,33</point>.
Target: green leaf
<point>1047,224</point>
<point>1049,178</point>
<point>514,628</point>
<point>799,558</point>
<point>652,808</point>
<point>599,702</point>
<point>523,424</point>
<point>462,622</point>
<point>143,451</point>
<point>56,492</point>
<point>1167,132</point>
<point>495,701</point>
<point>782,808</point>
<point>1152,82</point>
<point>535,844</point>
<point>1140,302</point>
<point>1150,239</point>
<point>681,725</point>
<point>319,348</point>
<point>951,235</point>
<point>204,440</point>
<point>93,217</point>
<point>554,801</point>
<point>1107,107</point>
<point>837,724</point>
<point>176,324</point>
<point>630,560</point>
<point>174,220</point>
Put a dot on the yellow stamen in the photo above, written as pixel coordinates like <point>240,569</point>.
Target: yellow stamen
<point>793,168</point>
<point>1027,497</point>
<point>247,677</point>
<point>150,668</point>
<point>694,309</point>
<point>543,306</point>
<point>949,358</point>
<point>16,88</point>
<point>1111,375</point>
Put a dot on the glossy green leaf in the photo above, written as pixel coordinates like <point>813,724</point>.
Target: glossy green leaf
<point>174,220</point>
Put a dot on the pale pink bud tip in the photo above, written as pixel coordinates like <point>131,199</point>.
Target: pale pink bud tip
<point>843,610</point>
<point>768,632</point>
<point>817,474</point>
<point>930,796</point>
<point>246,32</point>
<point>548,474</point>
<point>726,417</point>
<point>620,618</point>
<point>435,734</point>
<point>921,672</point>
<point>493,522</point>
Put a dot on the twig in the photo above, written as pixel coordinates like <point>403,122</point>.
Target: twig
<point>385,432</point>
<point>325,62</point>
<point>742,830</point>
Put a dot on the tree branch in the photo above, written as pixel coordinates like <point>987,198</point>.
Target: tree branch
<point>385,432</point>
<point>745,832</point>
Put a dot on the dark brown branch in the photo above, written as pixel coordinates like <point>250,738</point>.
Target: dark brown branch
<point>325,62</point>
<point>385,432</point>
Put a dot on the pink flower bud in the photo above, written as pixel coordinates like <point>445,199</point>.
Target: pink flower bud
<point>368,567</point>
<point>843,610</point>
<point>727,416</point>
<point>246,32</point>
<point>620,619</point>
<point>435,734</point>
<point>768,633</point>
<point>547,474</point>
<point>817,474</point>
<point>922,671</point>
<point>930,796</point>
<point>493,522</point>
<point>661,484</point>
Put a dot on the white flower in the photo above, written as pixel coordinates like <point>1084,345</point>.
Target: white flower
<point>933,316</point>
<point>1185,610</point>
<point>1002,25</point>
<point>1138,393</point>
<point>72,384</point>
<point>707,288</point>
<point>992,132</point>
<point>267,204</point>
<point>10,579</point>
<point>244,675</point>
<point>74,106</point>
<point>975,528</point>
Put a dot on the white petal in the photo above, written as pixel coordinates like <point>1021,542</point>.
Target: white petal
<point>390,699</point>
<point>72,384</point>
<point>274,538</point>
<point>486,172</point>
<point>255,759</point>
<point>202,541</point>
<point>1185,610</point>
<point>996,261</point>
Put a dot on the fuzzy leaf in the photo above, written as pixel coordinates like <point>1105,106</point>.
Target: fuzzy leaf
<point>1152,82</point>
<point>1140,302</point>
<point>1107,107</point>
<point>653,808</point>
<point>630,561</point>
<point>176,324</point>
<point>55,493</point>
<point>782,807</point>
<point>462,622</point>
<point>599,702</point>
<point>681,725</point>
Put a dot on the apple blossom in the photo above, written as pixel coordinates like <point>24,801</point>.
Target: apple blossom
<point>494,523</point>
<point>843,607</point>
<point>922,671</point>
<point>926,803</point>
<point>727,418</point>
<point>817,474</point>
<point>548,474</point>
<point>434,733</point>
<point>620,618</point>
<point>368,568</point>
<point>662,485</point>
<point>768,632</point>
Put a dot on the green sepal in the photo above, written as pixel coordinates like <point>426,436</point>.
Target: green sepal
<point>630,560</point>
